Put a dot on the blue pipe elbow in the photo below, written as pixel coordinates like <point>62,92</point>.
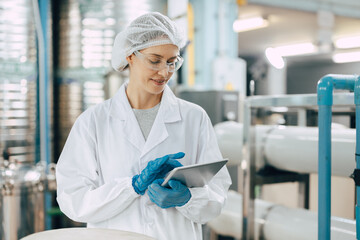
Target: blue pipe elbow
<point>325,91</point>
<point>334,81</point>
<point>357,91</point>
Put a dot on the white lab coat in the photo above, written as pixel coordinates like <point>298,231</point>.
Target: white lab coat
<point>106,148</point>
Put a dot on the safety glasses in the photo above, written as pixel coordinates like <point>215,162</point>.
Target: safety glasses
<point>155,63</point>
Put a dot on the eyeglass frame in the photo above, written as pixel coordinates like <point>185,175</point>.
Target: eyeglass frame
<point>168,64</point>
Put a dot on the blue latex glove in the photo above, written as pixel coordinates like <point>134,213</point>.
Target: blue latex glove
<point>168,166</point>
<point>176,195</point>
<point>155,169</point>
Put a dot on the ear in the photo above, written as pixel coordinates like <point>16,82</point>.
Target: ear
<point>130,59</point>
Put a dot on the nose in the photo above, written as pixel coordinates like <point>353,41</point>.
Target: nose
<point>164,72</point>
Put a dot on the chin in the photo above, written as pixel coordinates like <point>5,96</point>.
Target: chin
<point>157,87</point>
<point>158,90</point>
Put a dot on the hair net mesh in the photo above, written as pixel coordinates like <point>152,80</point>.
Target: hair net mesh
<point>151,29</point>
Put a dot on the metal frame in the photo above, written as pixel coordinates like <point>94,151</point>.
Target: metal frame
<point>248,175</point>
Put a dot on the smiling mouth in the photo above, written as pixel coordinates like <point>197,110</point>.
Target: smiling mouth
<point>159,81</point>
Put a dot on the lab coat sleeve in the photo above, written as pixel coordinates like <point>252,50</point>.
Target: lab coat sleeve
<point>206,202</point>
<point>81,194</point>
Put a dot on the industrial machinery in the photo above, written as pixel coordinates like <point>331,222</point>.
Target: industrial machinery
<point>289,148</point>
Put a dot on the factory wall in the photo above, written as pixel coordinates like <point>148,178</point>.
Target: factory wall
<point>303,77</point>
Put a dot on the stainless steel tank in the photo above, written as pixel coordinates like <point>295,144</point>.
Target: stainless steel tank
<point>21,200</point>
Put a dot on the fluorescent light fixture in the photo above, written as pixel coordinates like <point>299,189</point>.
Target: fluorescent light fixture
<point>296,49</point>
<point>347,42</point>
<point>274,58</point>
<point>346,57</point>
<point>247,24</point>
<point>280,109</point>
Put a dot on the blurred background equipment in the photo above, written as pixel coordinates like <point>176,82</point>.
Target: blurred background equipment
<point>86,30</point>
<point>21,198</point>
<point>84,77</point>
<point>22,184</point>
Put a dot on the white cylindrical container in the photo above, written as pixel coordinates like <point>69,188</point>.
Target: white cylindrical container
<point>296,149</point>
<point>284,223</point>
<point>276,222</point>
<point>86,233</point>
<point>289,148</point>
<point>229,136</point>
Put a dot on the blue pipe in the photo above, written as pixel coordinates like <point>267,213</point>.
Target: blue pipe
<point>357,153</point>
<point>324,171</point>
<point>43,9</point>
<point>325,100</point>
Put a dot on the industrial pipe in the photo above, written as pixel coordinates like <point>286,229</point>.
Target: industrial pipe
<point>289,148</point>
<point>325,100</point>
<point>276,222</point>
<point>357,152</point>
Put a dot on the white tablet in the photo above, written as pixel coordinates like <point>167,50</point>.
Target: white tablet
<point>197,175</point>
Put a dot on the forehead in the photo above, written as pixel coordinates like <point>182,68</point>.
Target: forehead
<point>166,51</point>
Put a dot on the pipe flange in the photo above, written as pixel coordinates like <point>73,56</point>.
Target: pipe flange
<point>263,221</point>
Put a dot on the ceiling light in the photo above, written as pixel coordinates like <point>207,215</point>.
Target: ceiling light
<point>348,42</point>
<point>274,58</point>
<point>242,25</point>
<point>346,57</point>
<point>296,49</point>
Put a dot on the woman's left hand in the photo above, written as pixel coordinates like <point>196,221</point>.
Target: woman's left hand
<point>176,195</point>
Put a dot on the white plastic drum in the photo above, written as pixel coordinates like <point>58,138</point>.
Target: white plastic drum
<point>86,234</point>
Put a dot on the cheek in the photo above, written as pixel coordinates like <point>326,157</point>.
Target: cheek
<point>170,74</point>
<point>143,73</point>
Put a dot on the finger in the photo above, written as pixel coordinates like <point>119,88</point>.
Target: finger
<point>168,166</point>
<point>177,155</point>
<point>173,163</point>
<point>154,199</point>
<point>174,184</point>
<point>158,162</point>
<point>154,187</point>
<point>152,196</point>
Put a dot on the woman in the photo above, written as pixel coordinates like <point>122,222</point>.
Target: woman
<point>110,172</point>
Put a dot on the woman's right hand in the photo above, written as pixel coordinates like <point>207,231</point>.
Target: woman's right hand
<point>155,169</point>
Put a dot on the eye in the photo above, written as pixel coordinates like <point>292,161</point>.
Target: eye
<point>172,61</point>
<point>154,61</point>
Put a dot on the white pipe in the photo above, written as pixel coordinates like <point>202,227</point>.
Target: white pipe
<point>296,149</point>
<point>229,137</point>
<point>276,222</point>
<point>288,147</point>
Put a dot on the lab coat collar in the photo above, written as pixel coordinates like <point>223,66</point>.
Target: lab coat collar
<point>168,112</point>
<point>169,107</point>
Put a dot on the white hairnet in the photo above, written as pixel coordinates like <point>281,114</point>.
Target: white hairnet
<point>151,29</point>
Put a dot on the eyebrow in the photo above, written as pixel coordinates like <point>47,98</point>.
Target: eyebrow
<point>160,56</point>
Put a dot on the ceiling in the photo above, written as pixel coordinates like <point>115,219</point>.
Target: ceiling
<point>288,26</point>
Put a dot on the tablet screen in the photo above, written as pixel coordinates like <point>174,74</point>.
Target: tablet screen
<point>197,175</point>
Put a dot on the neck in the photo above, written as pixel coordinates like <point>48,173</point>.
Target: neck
<point>140,99</point>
